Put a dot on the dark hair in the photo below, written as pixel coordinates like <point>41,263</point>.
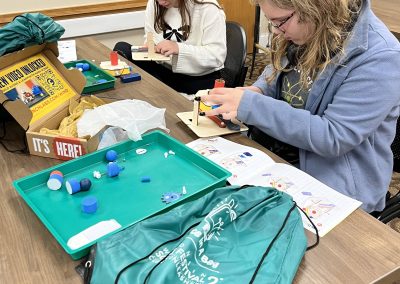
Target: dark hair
<point>159,12</point>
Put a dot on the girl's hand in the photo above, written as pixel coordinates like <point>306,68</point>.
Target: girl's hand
<point>228,100</point>
<point>167,47</point>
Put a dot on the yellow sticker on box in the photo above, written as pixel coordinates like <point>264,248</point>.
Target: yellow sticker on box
<point>37,83</point>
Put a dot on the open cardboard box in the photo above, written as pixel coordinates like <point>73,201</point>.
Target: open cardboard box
<point>34,66</point>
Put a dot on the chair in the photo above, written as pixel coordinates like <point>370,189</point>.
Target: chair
<point>396,142</point>
<point>392,208</point>
<point>234,72</point>
<point>123,49</point>
<point>396,149</point>
<point>256,45</point>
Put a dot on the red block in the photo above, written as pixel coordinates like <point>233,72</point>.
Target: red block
<point>114,58</point>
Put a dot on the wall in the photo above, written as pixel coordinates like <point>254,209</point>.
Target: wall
<point>124,18</point>
<point>125,24</point>
<point>69,8</point>
<point>120,27</point>
<point>263,30</point>
<point>242,12</point>
<point>34,5</point>
<point>134,37</point>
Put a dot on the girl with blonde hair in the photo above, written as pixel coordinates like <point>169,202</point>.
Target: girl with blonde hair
<point>329,101</point>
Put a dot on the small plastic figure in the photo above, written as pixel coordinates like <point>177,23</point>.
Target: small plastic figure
<point>55,180</point>
<point>169,197</point>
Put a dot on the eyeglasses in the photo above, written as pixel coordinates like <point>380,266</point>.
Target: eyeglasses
<point>278,26</point>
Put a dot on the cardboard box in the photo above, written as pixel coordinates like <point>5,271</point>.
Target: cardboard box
<point>37,90</point>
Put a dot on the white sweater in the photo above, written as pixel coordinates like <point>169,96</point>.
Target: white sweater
<point>205,49</point>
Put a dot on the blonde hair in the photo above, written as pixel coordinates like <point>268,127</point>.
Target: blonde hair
<point>332,20</point>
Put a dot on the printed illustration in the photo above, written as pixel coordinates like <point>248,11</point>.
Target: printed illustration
<point>29,92</point>
<point>280,183</point>
<point>206,150</point>
<point>315,207</point>
<point>233,162</point>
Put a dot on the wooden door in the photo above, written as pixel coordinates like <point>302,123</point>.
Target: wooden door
<point>242,12</point>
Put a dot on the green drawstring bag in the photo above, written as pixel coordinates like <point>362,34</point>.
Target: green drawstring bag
<point>28,29</point>
<point>231,235</point>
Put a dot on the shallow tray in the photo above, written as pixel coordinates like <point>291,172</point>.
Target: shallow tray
<point>93,76</point>
<point>124,198</point>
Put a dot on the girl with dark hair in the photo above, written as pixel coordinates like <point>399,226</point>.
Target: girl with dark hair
<point>193,33</point>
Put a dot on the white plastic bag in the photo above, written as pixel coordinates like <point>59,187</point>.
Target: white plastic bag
<point>135,116</point>
<point>111,136</point>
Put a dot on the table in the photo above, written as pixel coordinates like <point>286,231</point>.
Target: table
<point>389,12</point>
<point>359,250</point>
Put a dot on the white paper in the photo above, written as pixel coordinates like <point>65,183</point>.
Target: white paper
<point>325,206</point>
<point>67,51</point>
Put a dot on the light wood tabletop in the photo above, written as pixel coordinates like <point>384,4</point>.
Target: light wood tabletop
<point>389,12</point>
<point>359,250</point>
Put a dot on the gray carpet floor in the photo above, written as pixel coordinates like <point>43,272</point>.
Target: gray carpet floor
<point>260,63</point>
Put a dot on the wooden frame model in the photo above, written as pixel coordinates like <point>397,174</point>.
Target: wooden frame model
<point>150,54</point>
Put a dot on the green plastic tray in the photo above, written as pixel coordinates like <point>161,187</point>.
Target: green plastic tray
<point>124,198</point>
<point>93,76</point>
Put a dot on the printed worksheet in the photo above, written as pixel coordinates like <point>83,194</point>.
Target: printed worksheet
<point>324,206</point>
